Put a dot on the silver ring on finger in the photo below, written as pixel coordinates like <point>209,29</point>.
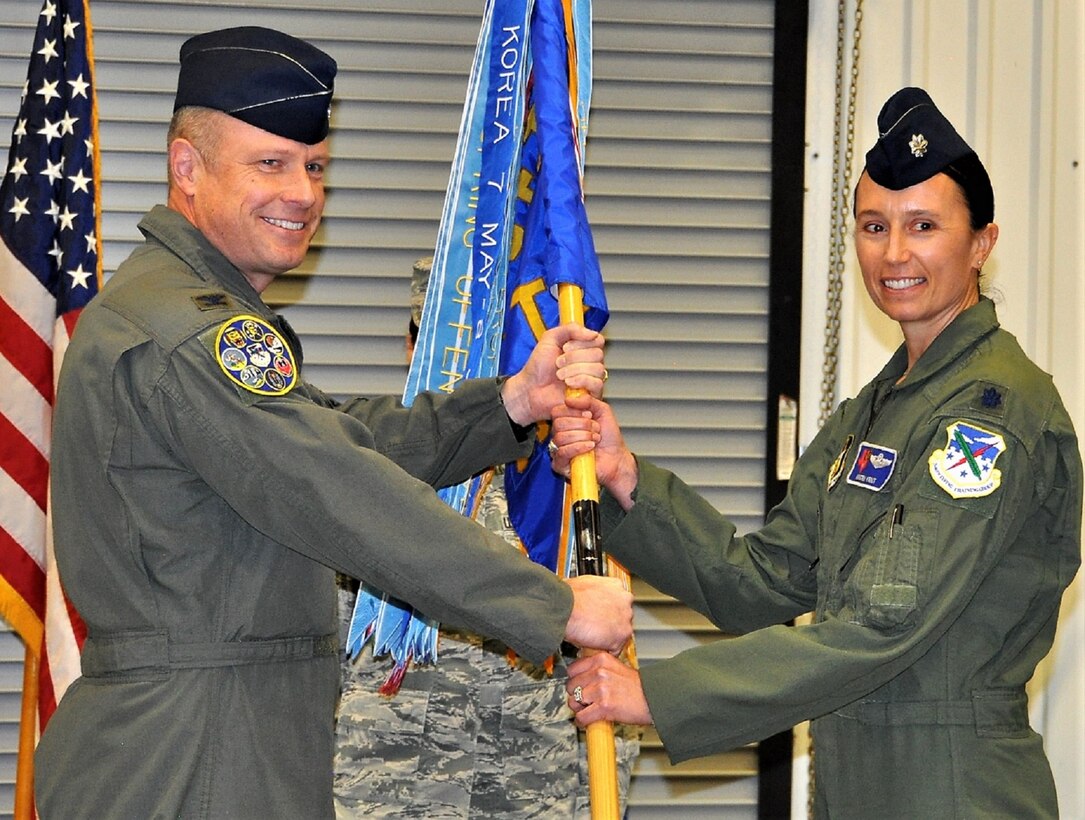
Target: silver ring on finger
<point>578,694</point>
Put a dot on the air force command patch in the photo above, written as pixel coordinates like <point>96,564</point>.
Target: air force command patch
<point>255,356</point>
<point>966,467</point>
<point>872,467</point>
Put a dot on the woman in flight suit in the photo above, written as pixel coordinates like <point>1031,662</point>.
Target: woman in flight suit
<point>932,526</point>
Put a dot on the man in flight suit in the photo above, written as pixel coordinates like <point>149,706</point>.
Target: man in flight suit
<point>204,494</point>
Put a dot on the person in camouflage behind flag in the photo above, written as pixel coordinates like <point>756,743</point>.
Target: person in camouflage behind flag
<point>481,733</point>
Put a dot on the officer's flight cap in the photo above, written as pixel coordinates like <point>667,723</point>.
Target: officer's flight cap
<point>260,76</point>
<point>916,141</point>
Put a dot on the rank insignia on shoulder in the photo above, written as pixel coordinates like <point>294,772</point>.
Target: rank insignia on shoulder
<point>991,398</point>
<point>966,467</point>
<point>872,467</point>
<point>255,356</point>
<point>211,301</point>
<point>988,400</point>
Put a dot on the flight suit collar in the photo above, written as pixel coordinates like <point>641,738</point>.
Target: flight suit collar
<point>962,334</point>
<point>181,237</point>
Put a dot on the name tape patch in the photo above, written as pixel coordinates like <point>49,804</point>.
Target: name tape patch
<point>872,467</point>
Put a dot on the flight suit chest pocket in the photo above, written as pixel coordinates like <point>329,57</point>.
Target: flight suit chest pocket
<point>884,588</point>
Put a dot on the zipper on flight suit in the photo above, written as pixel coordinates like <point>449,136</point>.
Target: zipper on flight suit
<point>877,404</point>
<point>845,569</point>
<point>882,394</point>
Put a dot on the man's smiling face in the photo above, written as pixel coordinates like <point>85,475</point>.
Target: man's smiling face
<point>259,199</point>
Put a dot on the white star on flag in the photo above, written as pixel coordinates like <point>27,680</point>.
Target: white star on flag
<point>48,217</point>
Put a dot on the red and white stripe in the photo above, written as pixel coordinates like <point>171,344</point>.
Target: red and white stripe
<point>32,344</point>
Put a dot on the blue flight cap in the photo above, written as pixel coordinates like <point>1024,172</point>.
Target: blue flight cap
<point>268,79</point>
<point>916,141</point>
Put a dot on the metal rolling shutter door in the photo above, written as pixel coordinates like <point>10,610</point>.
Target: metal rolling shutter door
<point>678,191</point>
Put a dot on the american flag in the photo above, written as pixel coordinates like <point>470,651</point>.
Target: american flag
<point>49,269</point>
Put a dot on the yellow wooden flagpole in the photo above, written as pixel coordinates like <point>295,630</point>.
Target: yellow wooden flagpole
<point>24,767</point>
<point>602,762</point>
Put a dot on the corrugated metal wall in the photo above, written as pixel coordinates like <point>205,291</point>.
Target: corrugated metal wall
<point>678,184</point>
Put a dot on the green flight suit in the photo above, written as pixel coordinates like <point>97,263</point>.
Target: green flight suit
<point>199,522</point>
<point>935,576</point>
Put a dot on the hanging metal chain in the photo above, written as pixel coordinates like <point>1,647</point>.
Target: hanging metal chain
<point>843,154</point>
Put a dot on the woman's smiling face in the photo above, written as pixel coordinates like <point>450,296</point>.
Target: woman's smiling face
<point>919,256</point>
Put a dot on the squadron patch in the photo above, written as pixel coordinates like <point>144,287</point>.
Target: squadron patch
<point>872,467</point>
<point>966,467</point>
<point>255,356</point>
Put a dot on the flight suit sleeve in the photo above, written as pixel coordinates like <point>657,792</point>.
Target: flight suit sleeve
<point>903,588</point>
<point>674,539</point>
<point>441,439</point>
<point>310,478</point>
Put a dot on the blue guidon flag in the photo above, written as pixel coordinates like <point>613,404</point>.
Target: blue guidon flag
<point>513,227</point>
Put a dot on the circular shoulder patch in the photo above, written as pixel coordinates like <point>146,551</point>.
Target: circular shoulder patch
<point>255,356</point>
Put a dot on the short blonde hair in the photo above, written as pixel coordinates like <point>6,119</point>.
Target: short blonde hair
<point>201,127</point>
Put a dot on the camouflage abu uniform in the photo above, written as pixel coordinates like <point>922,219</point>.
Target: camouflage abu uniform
<point>472,736</point>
